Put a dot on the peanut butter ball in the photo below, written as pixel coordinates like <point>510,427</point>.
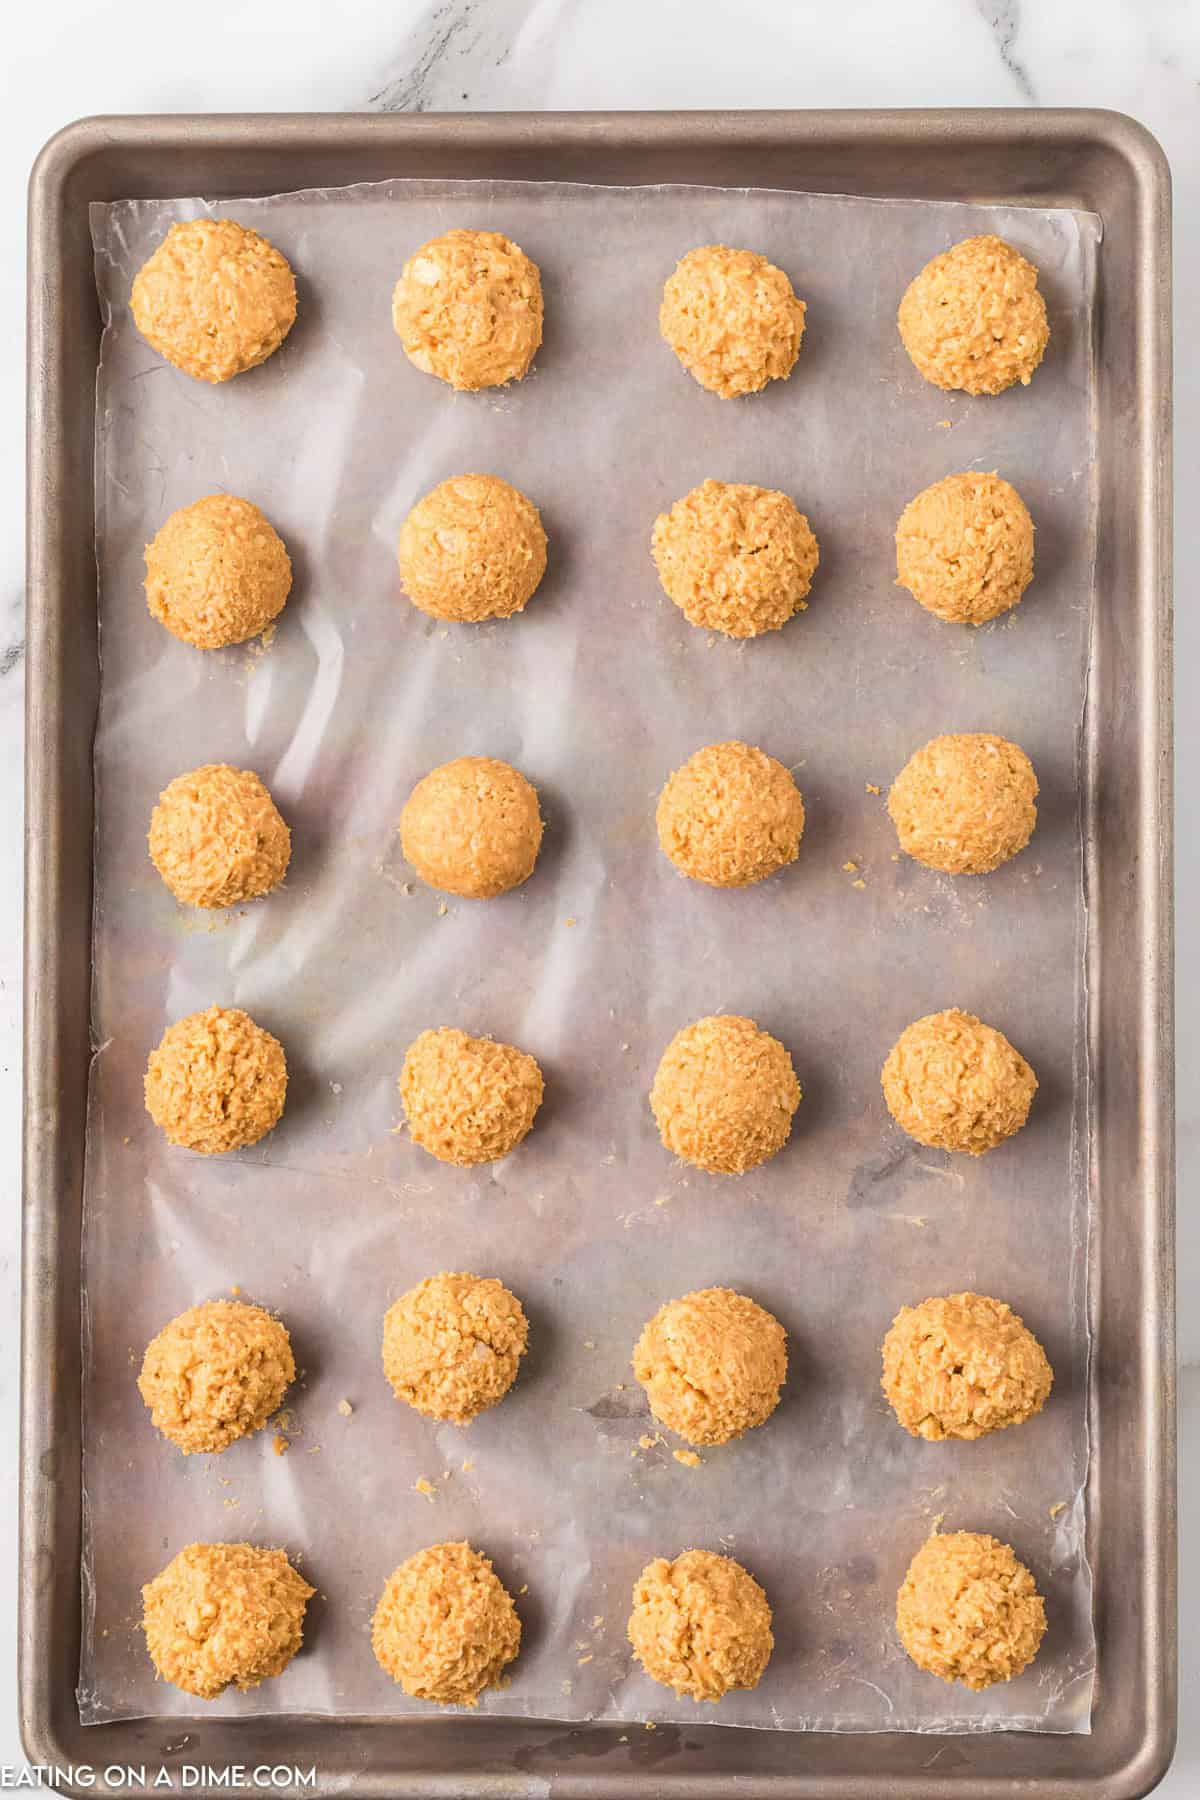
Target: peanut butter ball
<point>468,1100</point>
<point>215,1374</point>
<point>724,1095</point>
<point>472,827</point>
<point>965,804</point>
<point>963,1365</point>
<point>216,1082</point>
<point>730,816</point>
<point>472,549</point>
<point>732,319</point>
<point>973,319</point>
<point>215,298</point>
<point>712,1365</point>
<point>224,1615</point>
<point>969,1611</point>
<point>468,309</point>
<point>964,548</point>
<point>217,573</point>
<point>217,839</point>
<point>701,1625</point>
<point>735,558</point>
<point>954,1083</point>
<point>445,1627</point>
<point>452,1345</point>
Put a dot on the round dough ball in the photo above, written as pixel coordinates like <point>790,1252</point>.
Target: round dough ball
<point>216,837</point>
<point>712,1365</point>
<point>224,1615</point>
<point>965,804</point>
<point>735,558</point>
<point>969,1611</point>
<point>730,816</point>
<point>468,309</point>
<point>452,1344</point>
<point>468,1100</point>
<point>472,549</point>
<point>217,573</point>
<point>964,548</point>
<point>701,1625</point>
<point>472,827</point>
<point>445,1626</point>
<point>961,1366</point>
<point>973,319</point>
<point>215,1374</point>
<point>724,1095</point>
<point>216,1082</point>
<point>215,298</point>
<point>954,1083</point>
<point>732,319</point>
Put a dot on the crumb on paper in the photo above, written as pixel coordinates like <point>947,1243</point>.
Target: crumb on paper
<point>662,1199</point>
<point>688,1458</point>
<point>860,883</point>
<point>943,424</point>
<point>598,1621</point>
<point>467,1466</point>
<point>1060,1506</point>
<point>572,920</point>
<point>938,1520</point>
<point>589,1343</point>
<point>650,1725</point>
<point>280,1445</point>
<point>584,1659</point>
<point>422,1486</point>
<point>649,1441</point>
<point>443,909</point>
<point>849,868</point>
<point>872,788</point>
<point>126,1141</point>
<point>523,1589</point>
<point>236,1289</point>
<point>620,1387</point>
<point>895,856</point>
<point>345,1408</point>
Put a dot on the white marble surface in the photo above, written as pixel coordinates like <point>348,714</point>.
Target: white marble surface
<point>63,58</point>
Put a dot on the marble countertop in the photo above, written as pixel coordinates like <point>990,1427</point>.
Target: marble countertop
<point>70,57</point>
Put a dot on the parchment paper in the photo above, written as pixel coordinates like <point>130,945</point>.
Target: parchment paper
<point>597,693</point>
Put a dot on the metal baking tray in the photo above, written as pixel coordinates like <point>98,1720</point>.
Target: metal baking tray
<point>1101,161</point>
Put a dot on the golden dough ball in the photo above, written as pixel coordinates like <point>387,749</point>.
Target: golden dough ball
<point>963,1365</point>
<point>730,816</point>
<point>215,1374</point>
<point>969,1611</point>
<point>735,558</point>
<point>973,319</point>
<point>712,1365</point>
<point>724,1095</point>
<point>224,1615</point>
<point>215,298</point>
<point>472,827</point>
<point>216,837</point>
<point>445,1627</point>
<point>954,1083</point>
<point>452,1345</point>
<point>700,1625</point>
<point>964,548</point>
<point>216,1082</point>
<point>217,573</point>
<point>472,549</point>
<point>964,804</point>
<point>468,1100</point>
<point>468,309</point>
<point>732,319</point>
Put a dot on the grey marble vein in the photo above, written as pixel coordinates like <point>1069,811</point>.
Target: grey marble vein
<point>1003,18</point>
<point>458,53</point>
<point>11,657</point>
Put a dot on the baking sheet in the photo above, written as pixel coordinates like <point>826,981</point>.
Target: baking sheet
<point>597,692</point>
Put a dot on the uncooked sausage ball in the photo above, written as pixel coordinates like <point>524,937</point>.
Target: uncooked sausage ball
<point>954,1083</point>
<point>964,548</point>
<point>215,298</point>
<point>468,1099</point>
<point>973,319</point>
<point>962,1365</point>
<point>969,1611</point>
<point>701,1625</point>
<point>730,816</point>
<point>468,309</point>
<point>712,1365</point>
<point>445,1627</point>
<point>965,804</point>
<point>216,1082</point>
<point>216,837</point>
<point>724,1095</point>
<point>472,549</point>
<point>472,827</point>
<point>224,1615</point>
<point>452,1345</point>
<point>732,319</point>
<point>215,1374</point>
<point>735,558</point>
<point>217,573</point>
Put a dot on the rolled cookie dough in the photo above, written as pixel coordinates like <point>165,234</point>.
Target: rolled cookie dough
<point>964,548</point>
<point>700,1625</point>
<point>973,319</point>
<point>468,309</point>
<point>217,573</point>
<point>962,1365</point>
<point>732,319</point>
<point>468,1100</point>
<point>965,804</point>
<point>712,1365</point>
<point>216,1373</point>
<point>452,1345</point>
<point>216,1082</point>
<point>215,298</point>
<point>724,1095</point>
<point>445,1627</point>
<point>217,839</point>
<point>472,827</point>
<point>730,816</point>
<point>224,1615</point>
<point>954,1083</point>
<point>969,1611</point>
<point>472,549</point>
<point>735,558</point>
